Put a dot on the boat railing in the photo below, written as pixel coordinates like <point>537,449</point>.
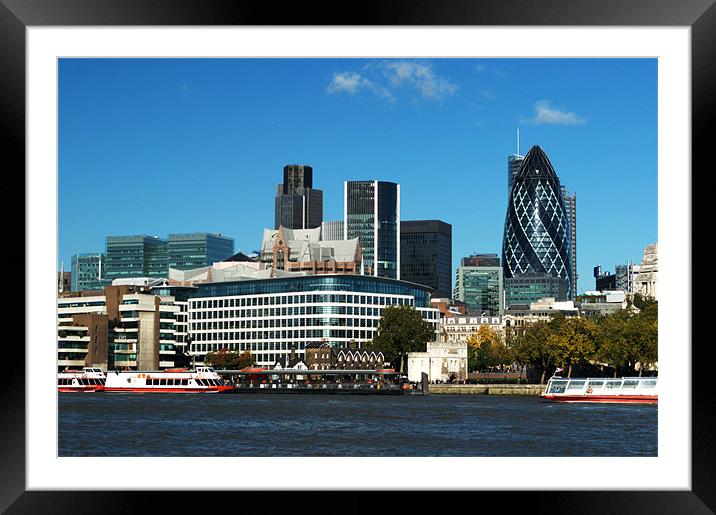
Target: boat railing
<point>602,386</point>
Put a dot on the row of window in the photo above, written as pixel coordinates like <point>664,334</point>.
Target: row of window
<point>82,381</point>
<point>183,382</point>
<point>297,299</point>
<point>284,335</point>
<point>291,322</point>
<point>287,311</point>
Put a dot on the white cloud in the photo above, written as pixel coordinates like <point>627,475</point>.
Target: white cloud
<point>546,113</point>
<point>385,77</point>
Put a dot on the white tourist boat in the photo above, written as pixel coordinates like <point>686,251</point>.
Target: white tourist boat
<point>201,380</point>
<point>624,390</point>
<point>86,380</point>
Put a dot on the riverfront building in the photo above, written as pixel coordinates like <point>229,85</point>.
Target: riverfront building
<point>460,328</point>
<point>537,235</point>
<point>519,315</point>
<point>426,254</point>
<point>122,327</point>
<point>88,272</point>
<point>269,317</point>
<point>478,284</point>
<point>297,204</point>
<point>372,214</point>
<point>194,250</point>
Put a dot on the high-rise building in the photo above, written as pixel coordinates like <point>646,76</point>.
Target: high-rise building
<point>64,280</point>
<point>332,231</point>
<point>537,236</point>
<point>88,272</point>
<point>135,256</point>
<point>297,204</point>
<point>533,286</point>
<point>194,250</point>
<point>570,205</point>
<point>646,277</point>
<point>372,214</point>
<point>426,254</point>
<point>478,284</point>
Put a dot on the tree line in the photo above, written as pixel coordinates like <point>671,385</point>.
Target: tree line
<point>625,341</point>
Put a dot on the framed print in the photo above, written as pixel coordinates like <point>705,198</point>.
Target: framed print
<point>351,54</point>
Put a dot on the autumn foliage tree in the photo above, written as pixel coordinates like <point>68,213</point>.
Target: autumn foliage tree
<point>224,359</point>
<point>486,350</point>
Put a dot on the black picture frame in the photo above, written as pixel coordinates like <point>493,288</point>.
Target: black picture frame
<point>700,15</point>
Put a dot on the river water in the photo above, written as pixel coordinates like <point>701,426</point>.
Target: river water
<point>348,425</point>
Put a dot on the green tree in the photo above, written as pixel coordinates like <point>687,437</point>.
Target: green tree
<point>573,342</point>
<point>486,350</point>
<point>532,345</point>
<point>401,329</point>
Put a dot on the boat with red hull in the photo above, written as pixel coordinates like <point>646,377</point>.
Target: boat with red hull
<point>201,380</point>
<point>625,390</point>
<point>87,380</point>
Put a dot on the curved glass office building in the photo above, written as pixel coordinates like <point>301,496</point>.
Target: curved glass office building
<point>269,317</point>
<point>537,233</point>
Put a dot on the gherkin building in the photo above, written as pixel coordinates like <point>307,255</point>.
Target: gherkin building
<point>537,236</point>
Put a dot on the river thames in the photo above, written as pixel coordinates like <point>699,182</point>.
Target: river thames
<point>340,425</point>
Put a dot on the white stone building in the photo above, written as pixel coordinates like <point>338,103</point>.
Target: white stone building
<point>442,361</point>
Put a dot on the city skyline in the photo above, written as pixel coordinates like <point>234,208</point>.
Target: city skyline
<point>199,145</point>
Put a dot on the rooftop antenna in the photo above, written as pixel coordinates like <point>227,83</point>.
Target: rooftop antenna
<point>518,141</point>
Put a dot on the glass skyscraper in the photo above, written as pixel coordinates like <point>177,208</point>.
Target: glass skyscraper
<point>198,249</point>
<point>478,283</point>
<point>88,272</point>
<point>537,237</point>
<point>372,214</point>
<point>426,254</point>
<point>135,256</point>
<point>297,204</point>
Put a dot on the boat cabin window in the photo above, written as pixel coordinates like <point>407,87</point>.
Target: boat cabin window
<point>184,382</point>
<point>557,386</point>
<point>631,383</point>
<point>648,383</point>
<point>575,385</point>
<point>596,383</point>
<point>614,383</point>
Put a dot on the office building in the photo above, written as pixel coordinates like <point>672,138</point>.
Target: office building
<point>372,214</point>
<point>570,206</point>
<point>520,315</point>
<point>479,284</point>
<point>121,327</point>
<point>297,204</point>
<point>88,272</point>
<point>426,254</point>
<point>194,250</point>
<point>64,280</point>
<point>514,161</point>
<point>332,231</point>
<point>270,317</point>
<point>537,236</point>
<point>532,286</point>
<point>646,278</point>
<point>135,256</point>
<point>303,250</point>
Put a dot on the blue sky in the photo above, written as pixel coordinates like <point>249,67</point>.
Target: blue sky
<point>159,146</point>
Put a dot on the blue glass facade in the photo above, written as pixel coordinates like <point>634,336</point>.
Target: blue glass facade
<point>537,237</point>
<point>195,250</point>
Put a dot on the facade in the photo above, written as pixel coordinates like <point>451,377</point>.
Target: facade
<point>442,361</point>
<point>460,328</point>
<point>303,250</point>
<point>269,317</point>
<point>599,303</point>
<point>604,280</point>
<point>297,204</point>
<point>122,327</point>
<point>321,356</point>
<point>426,254</point>
<point>332,231</point>
<point>194,250</point>
<point>88,272</point>
<point>135,256</point>
<point>537,235</point>
<point>514,161</point>
<point>479,284</point>
<point>646,279</point>
<point>570,206</point>
<point>530,287</point>
<point>372,214</point>
<point>519,315</point>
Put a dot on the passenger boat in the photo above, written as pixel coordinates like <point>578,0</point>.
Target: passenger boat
<point>85,380</point>
<point>625,390</point>
<point>201,380</point>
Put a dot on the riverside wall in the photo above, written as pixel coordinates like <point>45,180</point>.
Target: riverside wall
<point>487,389</point>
